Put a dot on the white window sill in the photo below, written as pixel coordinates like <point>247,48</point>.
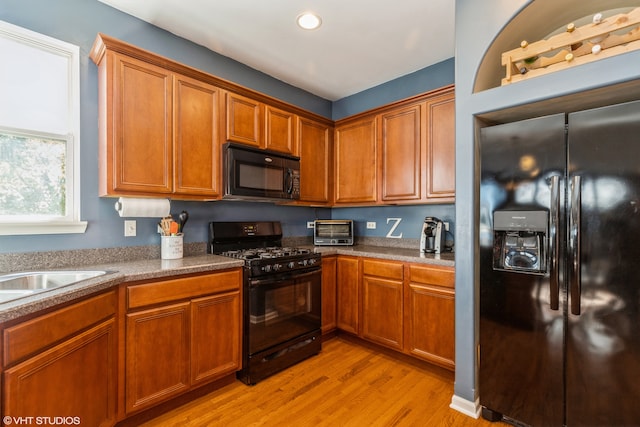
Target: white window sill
<point>24,228</point>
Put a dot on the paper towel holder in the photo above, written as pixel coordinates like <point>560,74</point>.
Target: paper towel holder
<point>160,207</point>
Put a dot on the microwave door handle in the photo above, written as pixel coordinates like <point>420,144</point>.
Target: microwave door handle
<point>288,181</point>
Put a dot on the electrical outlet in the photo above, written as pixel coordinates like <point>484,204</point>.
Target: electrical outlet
<point>129,228</point>
<point>446,226</point>
<point>371,225</point>
<point>310,224</point>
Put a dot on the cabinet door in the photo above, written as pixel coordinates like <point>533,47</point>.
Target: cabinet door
<point>215,336</point>
<point>315,161</point>
<point>139,155</point>
<point>329,267</point>
<point>431,307</point>
<point>441,143</point>
<point>356,160</point>
<point>279,130</point>
<point>382,304</point>
<point>348,294</point>
<point>157,355</point>
<point>402,154</point>
<point>76,378</point>
<point>196,116</point>
<point>244,120</point>
<point>382,311</point>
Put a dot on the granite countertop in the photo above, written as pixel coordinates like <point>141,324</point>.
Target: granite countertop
<point>117,273</point>
<point>389,253</point>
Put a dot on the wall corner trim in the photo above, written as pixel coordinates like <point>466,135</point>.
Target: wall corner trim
<point>465,406</point>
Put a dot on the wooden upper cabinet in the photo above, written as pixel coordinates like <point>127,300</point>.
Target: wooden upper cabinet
<point>136,152</point>
<point>315,161</point>
<point>279,130</point>
<point>251,122</point>
<point>244,120</point>
<point>402,154</point>
<point>196,125</point>
<point>159,130</point>
<point>441,150</point>
<point>356,160</point>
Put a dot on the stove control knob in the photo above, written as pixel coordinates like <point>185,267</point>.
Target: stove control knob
<point>266,268</point>
<point>276,267</point>
<point>303,262</point>
<point>312,261</point>
<point>291,264</point>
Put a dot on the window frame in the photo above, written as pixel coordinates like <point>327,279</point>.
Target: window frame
<point>70,223</point>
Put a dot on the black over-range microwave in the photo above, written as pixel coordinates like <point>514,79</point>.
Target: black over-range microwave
<point>254,174</point>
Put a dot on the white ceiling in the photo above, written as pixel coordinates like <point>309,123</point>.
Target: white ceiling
<point>361,43</point>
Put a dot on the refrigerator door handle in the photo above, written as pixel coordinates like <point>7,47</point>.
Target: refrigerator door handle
<point>554,288</point>
<point>574,244</point>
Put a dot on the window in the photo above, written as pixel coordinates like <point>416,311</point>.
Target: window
<point>39,134</point>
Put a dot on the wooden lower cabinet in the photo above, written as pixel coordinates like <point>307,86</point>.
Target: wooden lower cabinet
<point>382,310</point>
<point>329,314</point>
<point>430,304</point>
<point>215,351</point>
<point>54,363</point>
<point>407,307</point>
<point>348,294</point>
<point>157,351</point>
<point>180,333</point>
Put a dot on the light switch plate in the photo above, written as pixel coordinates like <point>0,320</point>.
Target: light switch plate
<point>129,228</point>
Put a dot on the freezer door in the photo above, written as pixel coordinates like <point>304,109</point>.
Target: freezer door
<point>521,322</point>
<point>603,337</point>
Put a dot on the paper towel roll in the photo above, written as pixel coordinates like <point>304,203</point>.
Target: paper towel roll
<point>130,207</point>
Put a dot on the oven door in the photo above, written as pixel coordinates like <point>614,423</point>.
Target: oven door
<point>282,308</point>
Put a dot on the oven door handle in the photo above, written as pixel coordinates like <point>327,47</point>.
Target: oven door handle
<point>294,275</point>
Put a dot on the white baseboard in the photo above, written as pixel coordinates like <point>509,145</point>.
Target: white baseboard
<point>465,406</point>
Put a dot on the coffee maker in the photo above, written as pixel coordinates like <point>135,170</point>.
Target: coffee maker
<point>432,236</point>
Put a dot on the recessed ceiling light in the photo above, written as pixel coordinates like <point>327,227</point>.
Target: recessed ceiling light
<point>308,21</point>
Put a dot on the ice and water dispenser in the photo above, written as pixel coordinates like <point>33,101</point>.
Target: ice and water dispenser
<point>519,241</point>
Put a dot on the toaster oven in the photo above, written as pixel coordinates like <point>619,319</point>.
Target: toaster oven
<point>333,232</point>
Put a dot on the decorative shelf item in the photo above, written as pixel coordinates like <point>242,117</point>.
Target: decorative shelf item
<point>602,38</point>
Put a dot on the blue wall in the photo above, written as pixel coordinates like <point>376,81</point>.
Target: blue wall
<point>78,22</point>
<point>433,77</point>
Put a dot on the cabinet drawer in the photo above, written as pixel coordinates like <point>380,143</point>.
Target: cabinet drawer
<point>182,288</point>
<point>440,276</point>
<point>37,334</point>
<point>390,270</point>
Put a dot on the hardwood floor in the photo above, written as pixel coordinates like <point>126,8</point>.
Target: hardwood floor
<point>347,384</point>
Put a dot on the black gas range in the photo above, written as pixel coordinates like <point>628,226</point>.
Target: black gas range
<point>259,244</point>
<point>281,296</point>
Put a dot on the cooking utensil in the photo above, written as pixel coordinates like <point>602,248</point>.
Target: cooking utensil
<point>182,220</point>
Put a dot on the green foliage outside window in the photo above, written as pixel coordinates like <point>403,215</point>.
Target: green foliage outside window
<point>32,176</point>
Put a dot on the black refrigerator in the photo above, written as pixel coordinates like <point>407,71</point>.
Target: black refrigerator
<point>560,269</point>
